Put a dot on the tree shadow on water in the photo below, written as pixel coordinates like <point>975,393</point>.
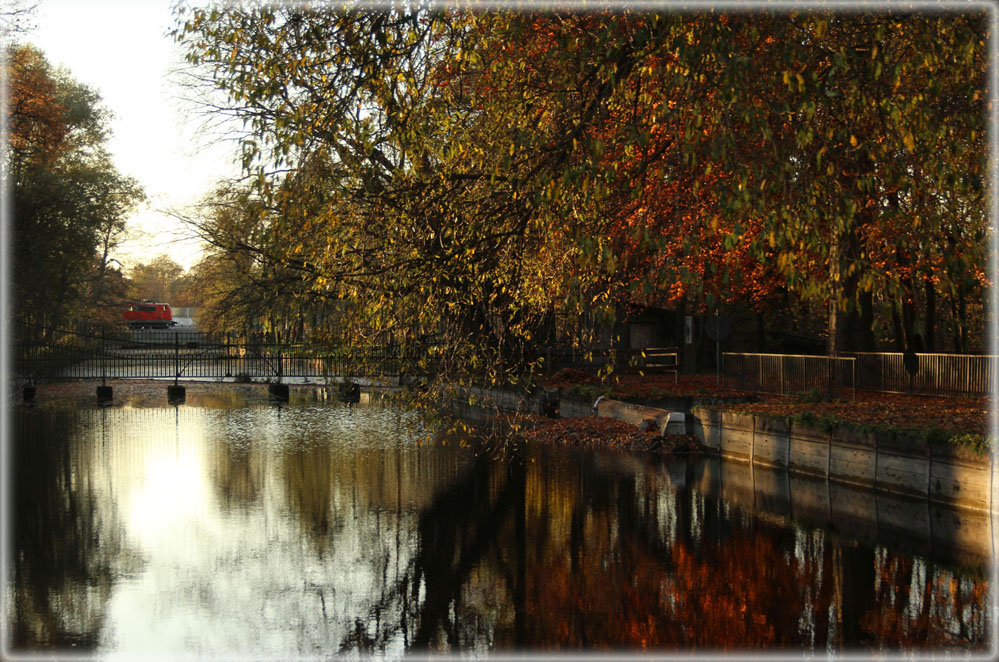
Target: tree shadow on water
<point>61,542</point>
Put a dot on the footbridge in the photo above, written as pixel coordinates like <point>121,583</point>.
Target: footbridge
<point>42,354</point>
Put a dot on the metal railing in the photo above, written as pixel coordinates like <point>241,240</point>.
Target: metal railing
<point>788,374</point>
<point>884,372</point>
<point>47,354</point>
<point>935,374</point>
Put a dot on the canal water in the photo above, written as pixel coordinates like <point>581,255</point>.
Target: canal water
<point>315,529</point>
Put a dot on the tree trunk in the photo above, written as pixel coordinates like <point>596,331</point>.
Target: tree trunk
<point>915,342</point>
<point>908,322</point>
<point>896,322</point>
<point>931,314</point>
<point>833,324</point>
<point>106,238</point>
<point>962,315</point>
<point>865,322</point>
<point>761,334</point>
<point>956,332</point>
<point>852,328</point>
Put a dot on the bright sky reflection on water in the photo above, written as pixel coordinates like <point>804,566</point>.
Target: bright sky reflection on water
<point>314,529</point>
<point>229,571</point>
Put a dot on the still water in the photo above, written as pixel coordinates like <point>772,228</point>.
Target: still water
<point>316,529</point>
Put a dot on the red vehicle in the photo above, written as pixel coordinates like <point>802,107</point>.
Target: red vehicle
<point>147,315</point>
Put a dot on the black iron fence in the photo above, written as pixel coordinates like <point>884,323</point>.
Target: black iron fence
<point>42,354</point>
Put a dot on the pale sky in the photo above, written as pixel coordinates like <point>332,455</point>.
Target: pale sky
<point>121,49</point>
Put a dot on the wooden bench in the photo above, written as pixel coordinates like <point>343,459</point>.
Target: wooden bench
<point>662,359</point>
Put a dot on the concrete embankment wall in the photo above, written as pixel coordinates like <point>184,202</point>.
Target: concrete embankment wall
<point>475,402</point>
<point>899,463</point>
<point>862,514</point>
<point>895,463</point>
<point>823,478</point>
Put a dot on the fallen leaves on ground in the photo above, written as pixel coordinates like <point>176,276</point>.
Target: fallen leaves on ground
<point>650,386</point>
<point>889,410</point>
<point>567,377</point>
<point>962,415</point>
<point>593,432</point>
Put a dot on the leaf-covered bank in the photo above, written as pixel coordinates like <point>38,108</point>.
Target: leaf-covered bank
<point>962,421</point>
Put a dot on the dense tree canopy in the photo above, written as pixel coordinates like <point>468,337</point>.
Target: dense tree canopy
<point>468,175</point>
<point>69,203</point>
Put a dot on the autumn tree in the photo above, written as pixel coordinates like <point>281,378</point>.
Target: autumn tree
<point>389,207</point>
<point>852,137</point>
<point>646,221</point>
<point>465,175</point>
<point>756,154</point>
<point>158,280</point>
<point>242,283</point>
<point>69,203</point>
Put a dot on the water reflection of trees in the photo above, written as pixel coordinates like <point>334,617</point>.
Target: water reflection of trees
<point>238,473</point>
<point>309,482</point>
<point>443,550</point>
<point>63,541</point>
<point>548,555</point>
<point>927,605</point>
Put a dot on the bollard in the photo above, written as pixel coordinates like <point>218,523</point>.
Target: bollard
<point>278,392</point>
<point>349,392</point>
<point>104,395</point>
<point>176,395</point>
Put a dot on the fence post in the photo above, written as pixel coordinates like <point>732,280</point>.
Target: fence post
<point>176,358</point>
<point>853,369</point>
<point>104,341</point>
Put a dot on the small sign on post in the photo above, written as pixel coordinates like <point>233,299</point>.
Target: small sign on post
<point>688,342</point>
